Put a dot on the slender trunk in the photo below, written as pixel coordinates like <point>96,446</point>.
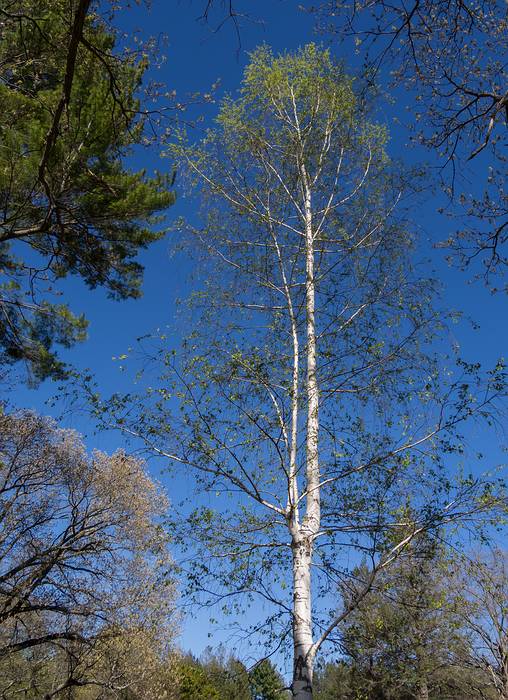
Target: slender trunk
<point>313,510</point>
<point>302,620</point>
<point>303,536</point>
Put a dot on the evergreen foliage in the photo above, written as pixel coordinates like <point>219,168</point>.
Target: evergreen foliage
<point>266,682</point>
<point>407,639</point>
<point>71,114</point>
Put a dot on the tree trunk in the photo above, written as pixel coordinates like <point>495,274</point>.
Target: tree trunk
<point>302,620</point>
<point>303,536</point>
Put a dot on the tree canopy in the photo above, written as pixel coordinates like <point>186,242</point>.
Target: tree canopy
<point>71,114</point>
<point>84,563</point>
<point>316,425</point>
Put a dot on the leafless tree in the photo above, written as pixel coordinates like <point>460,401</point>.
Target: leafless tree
<point>452,56</point>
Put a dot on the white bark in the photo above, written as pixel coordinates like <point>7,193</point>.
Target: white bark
<point>302,619</point>
<point>303,536</point>
<point>313,512</point>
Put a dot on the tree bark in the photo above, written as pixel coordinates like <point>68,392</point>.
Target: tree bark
<point>504,672</point>
<point>302,620</point>
<point>304,535</point>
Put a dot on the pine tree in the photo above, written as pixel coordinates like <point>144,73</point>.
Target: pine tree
<point>69,205</point>
<point>266,682</point>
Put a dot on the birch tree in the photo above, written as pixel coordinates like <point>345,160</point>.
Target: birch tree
<point>316,427</point>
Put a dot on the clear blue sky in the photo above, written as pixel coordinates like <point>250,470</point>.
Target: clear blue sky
<point>196,58</point>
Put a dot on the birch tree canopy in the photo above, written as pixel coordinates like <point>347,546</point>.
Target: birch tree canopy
<point>317,423</point>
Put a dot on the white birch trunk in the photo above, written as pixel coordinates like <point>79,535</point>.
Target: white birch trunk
<point>303,536</point>
<point>302,620</point>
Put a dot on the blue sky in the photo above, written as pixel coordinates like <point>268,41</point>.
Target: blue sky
<point>196,58</point>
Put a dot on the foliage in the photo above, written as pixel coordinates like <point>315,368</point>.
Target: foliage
<point>71,113</point>
<point>421,633</point>
<point>334,680</point>
<point>228,674</point>
<point>406,638</point>
<point>266,682</point>
<point>482,583</point>
<point>193,683</point>
<point>219,675</point>
<point>215,675</point>
<point>86,578</point>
